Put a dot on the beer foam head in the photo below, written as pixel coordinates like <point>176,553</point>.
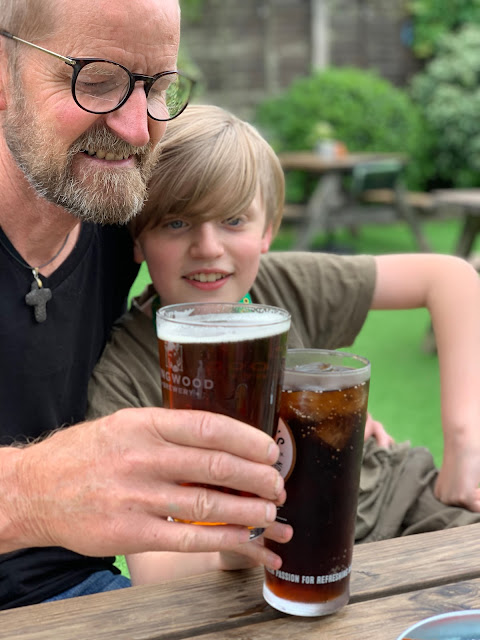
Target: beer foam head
<point>212,322</point>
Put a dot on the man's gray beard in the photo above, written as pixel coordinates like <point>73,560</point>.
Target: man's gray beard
<point>108,196</point>
<point>111,197</point>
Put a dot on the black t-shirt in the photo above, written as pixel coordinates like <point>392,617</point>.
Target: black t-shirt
<point>44,375</point>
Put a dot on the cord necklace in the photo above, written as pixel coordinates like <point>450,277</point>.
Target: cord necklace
<point>38,296</point>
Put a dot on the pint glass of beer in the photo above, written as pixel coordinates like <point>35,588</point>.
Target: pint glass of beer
<point>322,419</point>
<point>226,358</point>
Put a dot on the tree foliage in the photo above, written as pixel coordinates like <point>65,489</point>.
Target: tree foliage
<point>449,92</point>
<point>434,18</point>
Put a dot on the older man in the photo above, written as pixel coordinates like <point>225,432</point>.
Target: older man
<point>86,90</point>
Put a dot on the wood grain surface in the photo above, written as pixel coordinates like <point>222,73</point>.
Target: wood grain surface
<point>394,583</point>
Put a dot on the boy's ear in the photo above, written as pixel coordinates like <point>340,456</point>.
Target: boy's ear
<point>267,239</point>
<point>138,254</point>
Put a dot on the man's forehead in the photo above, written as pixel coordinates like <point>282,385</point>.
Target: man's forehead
<point>142,25</point>
<point>149,9</point>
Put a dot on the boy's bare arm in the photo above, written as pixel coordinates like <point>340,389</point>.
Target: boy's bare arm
<point>449,288</point>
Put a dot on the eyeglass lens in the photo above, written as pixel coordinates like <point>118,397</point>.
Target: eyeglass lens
<point>101,86</point>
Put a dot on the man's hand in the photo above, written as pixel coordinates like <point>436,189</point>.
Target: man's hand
<point>107,487</point>
<point>254,553</point>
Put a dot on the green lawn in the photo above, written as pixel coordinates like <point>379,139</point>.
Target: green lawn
<point>404,390</point>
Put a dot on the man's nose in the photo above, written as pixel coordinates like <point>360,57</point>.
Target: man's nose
<point>131,122</point>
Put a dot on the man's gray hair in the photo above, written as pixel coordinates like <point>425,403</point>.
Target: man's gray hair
<point>27,19</point>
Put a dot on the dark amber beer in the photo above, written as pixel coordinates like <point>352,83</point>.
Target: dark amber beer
<point>225,358</point>
<point>322,419</point>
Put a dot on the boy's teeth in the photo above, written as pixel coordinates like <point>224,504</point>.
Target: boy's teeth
<point>207,277</point>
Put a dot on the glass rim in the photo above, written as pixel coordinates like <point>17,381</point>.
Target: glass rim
<point>325,379</point>
<point>459,624</point>
<point>208,308</point>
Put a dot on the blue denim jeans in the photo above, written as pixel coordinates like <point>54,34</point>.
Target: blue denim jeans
<point>96,583</point>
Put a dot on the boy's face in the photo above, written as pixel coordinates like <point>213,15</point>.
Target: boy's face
<point>212,261</point>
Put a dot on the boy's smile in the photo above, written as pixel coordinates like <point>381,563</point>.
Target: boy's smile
<point>207,280</point>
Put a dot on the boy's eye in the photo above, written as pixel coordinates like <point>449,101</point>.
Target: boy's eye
<point>233,222</point>
<point>175,224</point>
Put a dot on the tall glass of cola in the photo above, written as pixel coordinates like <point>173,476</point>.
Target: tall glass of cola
<point>226,358</point>
<point>322,419</point>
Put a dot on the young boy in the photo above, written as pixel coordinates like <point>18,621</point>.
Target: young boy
<point>214,205</point>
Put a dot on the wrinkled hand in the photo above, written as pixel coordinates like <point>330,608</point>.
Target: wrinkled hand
<point>377,430</point>
<point>459,477</point>
<point>106,487</point>
<point>254,553</point>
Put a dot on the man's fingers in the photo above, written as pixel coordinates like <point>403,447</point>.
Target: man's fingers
<point>188,465</point>
<point>279,532</point>
<point>213,431</point>
<point>250,555</point>
<point>177,536</point>
<point>201,504</point>
<point>256,552</point>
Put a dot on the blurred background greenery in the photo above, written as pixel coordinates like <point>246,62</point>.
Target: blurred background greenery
<point>432,117</point>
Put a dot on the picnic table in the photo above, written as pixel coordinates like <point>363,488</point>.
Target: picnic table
<point>395,583</point>
<point>466,203</point>
<point>332,205</point>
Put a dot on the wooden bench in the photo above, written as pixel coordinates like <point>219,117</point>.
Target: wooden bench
<point>422,202</point>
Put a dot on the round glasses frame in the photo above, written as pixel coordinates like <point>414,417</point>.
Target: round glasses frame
<point>148,81</point>
<point>78,64</point>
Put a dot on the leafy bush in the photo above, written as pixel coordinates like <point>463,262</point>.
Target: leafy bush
<point>366,112</point>
<point>433,18</point>
<point>449,92</point>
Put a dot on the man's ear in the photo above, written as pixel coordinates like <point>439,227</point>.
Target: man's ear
<point>138,254</point>
<point>267,239</point>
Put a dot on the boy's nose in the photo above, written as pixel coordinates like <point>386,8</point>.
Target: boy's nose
<point>207,242</point>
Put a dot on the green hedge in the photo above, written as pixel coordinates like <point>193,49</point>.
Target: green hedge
<point>448,91</point>
<point>366,112</point>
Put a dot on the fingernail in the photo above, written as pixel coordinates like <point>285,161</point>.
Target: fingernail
<point>271,512</point>
<point>288,533</point>
<point>273,452</point>
<point>282,498</point>
<point>243,535</point>
<point>273,562</point>
<point>279,487</point>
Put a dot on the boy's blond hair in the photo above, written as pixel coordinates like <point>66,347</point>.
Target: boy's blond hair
<point>212,165</point>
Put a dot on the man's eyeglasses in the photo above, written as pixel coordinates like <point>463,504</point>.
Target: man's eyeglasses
<point>102,86</point>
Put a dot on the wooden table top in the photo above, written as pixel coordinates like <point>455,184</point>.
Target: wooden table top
<point>395,583</point>
<point>465,198</point>
<point>315,163</point>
